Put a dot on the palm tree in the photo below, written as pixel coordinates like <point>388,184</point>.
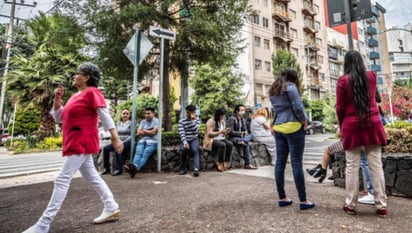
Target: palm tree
<point>57,43</point>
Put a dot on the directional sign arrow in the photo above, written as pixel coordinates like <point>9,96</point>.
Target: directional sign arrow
<point>162,33</point>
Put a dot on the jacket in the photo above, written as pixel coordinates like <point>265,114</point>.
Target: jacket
<point>288,106</point>
<point>210,133</point>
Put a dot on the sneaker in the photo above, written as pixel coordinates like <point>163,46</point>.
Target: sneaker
<point>196,173</point>
<point>367,199</point>
<point>132,170</point>
<point>182,172</point>
<point>107,216</point>
<point>382,212</point>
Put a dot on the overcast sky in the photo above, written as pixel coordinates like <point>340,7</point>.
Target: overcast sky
<point>398,12</point>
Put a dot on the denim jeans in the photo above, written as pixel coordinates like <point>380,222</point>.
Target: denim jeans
<point>184,155</point>
<point>294,144</point>
<point>143,150</point>
<point>118,158</point>
<point>245,147</point>
<point>367,182</point>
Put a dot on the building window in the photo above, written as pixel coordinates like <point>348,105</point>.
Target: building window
<point>360,31</point>
<point>256,19</point>
<point>316,8</point>
<point>333,83</point>
<point>279,29</point>
<point>319,41</point>
<point>320,59</point>
<point>265,3</point>
<point>265,22</point>
<point>295,52</point>
<point>266,44</point>
<point>267,66</point>
<point>294,33</point>
<point>257,41</point>
<point>334,69</point>
<point>322,76</point>
<point>317,25</point>
<point>259,89</point>
<point>258,64</point>
<point>292,14</point>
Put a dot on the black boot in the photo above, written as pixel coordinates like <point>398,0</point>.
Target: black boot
<point>322,175</point>
<point>314,170</point>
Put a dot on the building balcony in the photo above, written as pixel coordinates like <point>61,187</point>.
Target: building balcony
<point>371,20</point>
<point>315,83</point>
<point>308,9</point>
<point>281,16</point>
<point>375,12</point>
<point>312,46</point>
<point>314,65</point>
<point>282,36</point>
<point>283,1</point>
<point>373,43</point>
<point>371,31</point>
<point>309,27</point>
<point>374,55</point>
<point>376,68</point>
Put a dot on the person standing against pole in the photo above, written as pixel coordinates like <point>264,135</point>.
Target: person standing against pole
<point>80,141</point>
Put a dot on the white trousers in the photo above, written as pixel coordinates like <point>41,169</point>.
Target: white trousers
<point>83,163</point>
<point>374,157</point>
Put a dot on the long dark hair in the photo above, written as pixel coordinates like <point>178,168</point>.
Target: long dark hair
<point>355,69</point>
<point>288,75</point>
<point>216,117</point>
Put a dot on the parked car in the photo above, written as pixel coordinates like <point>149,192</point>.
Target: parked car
<point>4,133</point>
<point>315,127</point>
<point>104,134</point>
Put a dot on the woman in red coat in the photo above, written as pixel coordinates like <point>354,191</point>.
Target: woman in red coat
<point>361,129</point>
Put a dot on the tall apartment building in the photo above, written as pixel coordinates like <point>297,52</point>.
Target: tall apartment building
<point>294,25</point>
<point>400,52</point>
<point>369,40</point>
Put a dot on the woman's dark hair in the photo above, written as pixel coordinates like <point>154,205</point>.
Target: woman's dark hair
<point>216,117</point>
<point>355,69</point>
<point>92,71</point>
<point>237,108</point>
<point>288,75</point>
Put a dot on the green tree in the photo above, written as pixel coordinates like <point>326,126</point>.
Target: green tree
<point>57,42</point>
<point>316,107</point>
<point>213,42</point>
<point>27,121</point>
<point>143,101</point>
<point>216,87</point>
<point>330,119</point>
<point>284,59</point>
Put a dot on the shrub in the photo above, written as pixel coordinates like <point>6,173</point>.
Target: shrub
<point>50,143</point>
<point>399,140</point>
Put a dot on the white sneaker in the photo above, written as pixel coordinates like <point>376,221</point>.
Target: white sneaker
<point>31,230</point>
<point>107,216</point>
<point>367,199</point>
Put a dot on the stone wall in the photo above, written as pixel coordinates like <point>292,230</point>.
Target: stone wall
<point>397,169</point>
<point>171,158</point>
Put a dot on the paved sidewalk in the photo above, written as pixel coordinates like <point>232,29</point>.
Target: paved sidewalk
<point>235,201</point>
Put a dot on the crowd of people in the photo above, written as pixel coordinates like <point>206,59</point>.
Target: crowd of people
<point>357,109</point>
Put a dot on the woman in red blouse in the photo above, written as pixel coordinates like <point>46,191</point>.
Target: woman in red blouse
<point>79,118</point>
<point>361,129</point>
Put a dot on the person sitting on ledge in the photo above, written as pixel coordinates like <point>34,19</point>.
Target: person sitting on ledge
<point>147,145</point>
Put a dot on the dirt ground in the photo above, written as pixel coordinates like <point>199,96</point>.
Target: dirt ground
<point>213,202</point>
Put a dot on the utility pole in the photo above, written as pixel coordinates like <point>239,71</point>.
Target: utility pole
<point>8,50</point>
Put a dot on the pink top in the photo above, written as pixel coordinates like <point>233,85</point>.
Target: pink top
<point>352,133</point>
<point>80,119</point>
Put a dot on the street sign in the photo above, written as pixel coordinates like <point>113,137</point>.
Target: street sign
<point>162,33</point>
<point>359,9</point>
<point>130,50</point>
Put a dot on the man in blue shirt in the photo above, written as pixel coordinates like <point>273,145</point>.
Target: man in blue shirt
<point>147,144</point>
<point>188,132</point>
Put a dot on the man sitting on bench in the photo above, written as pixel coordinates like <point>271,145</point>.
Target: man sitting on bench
<point>147,145</point>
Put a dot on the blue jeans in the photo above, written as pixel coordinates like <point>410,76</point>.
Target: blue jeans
<point>245,147</point>
<point>367,181</point>
<point>184,155</point>
<point>294,144</point>
<point>143,150</point>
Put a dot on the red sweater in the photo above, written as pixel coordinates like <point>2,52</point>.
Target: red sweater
<point>79,117</point>
<point>352,134</point>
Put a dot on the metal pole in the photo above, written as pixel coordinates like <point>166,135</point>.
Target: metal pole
<point>6,67</point>
<point>135,75</point>
<point>12,127</point>
<point>348,23</point>
<point>159,142</point>
<point>390,103</point>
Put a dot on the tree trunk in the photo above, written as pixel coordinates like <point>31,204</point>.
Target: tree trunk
<point>167,119</point>
<point>47,125</point>
<point>184,88</point>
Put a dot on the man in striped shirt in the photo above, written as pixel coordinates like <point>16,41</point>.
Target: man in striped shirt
<point>188,132</point>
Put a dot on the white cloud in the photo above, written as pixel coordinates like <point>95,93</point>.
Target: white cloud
<point>398,12</point>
